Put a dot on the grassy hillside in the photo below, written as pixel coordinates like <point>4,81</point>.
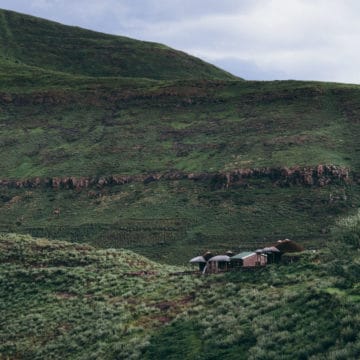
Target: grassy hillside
<point>113,126</point>
<point>173,221</point>
<point>116,146</point>
<point>66,301</point>
<point>36,42</point>
<point>66,127</point>
<point>175,133</point>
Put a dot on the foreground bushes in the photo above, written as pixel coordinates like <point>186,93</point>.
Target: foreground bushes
<point>60,300</point>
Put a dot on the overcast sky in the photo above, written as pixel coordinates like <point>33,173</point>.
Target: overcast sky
<point>254,39</point>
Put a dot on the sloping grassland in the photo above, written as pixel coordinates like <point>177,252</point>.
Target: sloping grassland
<point>161,155</point>
<point>117,143</point>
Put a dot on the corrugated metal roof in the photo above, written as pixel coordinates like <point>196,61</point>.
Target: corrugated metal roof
<point>243,255</point>
<point>220,258</point>
<point>198,259</point>
<point>270,249</point>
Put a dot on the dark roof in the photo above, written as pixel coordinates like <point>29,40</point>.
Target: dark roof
<point>288,246</point>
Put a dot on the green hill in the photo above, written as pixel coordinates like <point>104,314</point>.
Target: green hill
<point>36,42</point>
<point>96,152</point>
<point>125,148</point>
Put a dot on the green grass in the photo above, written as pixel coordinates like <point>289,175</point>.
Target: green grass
<point>92,105</point>
<point>170,221</point>
<point>137,128</point>
<point>140,129</point>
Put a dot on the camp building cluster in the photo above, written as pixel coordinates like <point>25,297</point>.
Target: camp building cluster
<point>208,263</point>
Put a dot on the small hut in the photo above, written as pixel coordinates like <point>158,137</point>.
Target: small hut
<point>219,263</point>
<point>248,259</point>
<point>272,253</point>
<point>200,260</point>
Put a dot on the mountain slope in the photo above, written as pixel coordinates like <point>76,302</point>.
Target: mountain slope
<point>166,167</point>
<point>49,45</point>
<point>82,127</point>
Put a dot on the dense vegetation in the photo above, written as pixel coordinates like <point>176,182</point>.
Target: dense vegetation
<point>61,300</point>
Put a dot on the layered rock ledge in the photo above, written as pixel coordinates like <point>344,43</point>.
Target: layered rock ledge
<point>320,175</point>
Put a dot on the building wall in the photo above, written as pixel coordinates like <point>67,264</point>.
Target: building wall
<point>263,260</point>
<point>254,260</point>
<point>217,266</point>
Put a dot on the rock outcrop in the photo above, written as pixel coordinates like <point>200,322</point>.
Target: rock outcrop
<point>320,175</point>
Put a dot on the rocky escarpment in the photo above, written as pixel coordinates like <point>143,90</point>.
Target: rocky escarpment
<point>183,93</point>
<point>320,175</point>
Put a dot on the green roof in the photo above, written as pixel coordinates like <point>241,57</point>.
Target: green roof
<point>242,255</point>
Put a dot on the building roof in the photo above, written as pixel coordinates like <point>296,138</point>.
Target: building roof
<point>242,255</point>
<point>198,259</point>
<point>270,249</point>
<point>220,258</point>
<point>288,246</point>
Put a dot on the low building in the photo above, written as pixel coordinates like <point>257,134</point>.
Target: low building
<point>200,261</point>
<point>269,255</point>
<point>219,263</point>
<point>272,253</point>
<point>248,259</point>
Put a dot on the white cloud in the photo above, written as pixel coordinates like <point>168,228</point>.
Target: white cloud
<point>297,38</point>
